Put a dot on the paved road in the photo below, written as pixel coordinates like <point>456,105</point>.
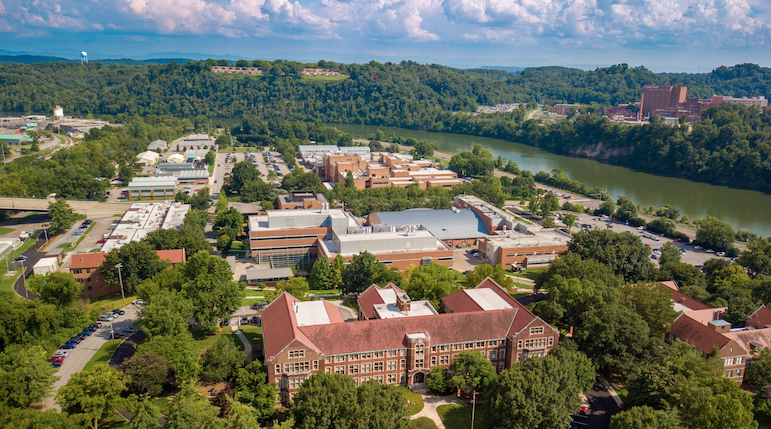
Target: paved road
<point>601,406</point>
<point>79,356</point>
<point>33,256</point>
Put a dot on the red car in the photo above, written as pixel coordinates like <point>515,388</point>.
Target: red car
<point>101,241</point>
<point>56,359</point>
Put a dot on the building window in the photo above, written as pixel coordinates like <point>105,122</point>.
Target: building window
<point>391,365</point>
<point>551,341</point>
<point>378,366</point>
<point>340,358</point>
<point>391,353</point>
<point>353,369</point>
<point>295,383</point>
<point>297,367</point>
<point>328,370</point>
<point>729,361</point>
<point>519,357</point>
<point>296,354</point>
<point>403,352</point>
<point>418,363</point>
<point>738,373</point>
<point>500,365</point>
<point>379,354</point>
<point>403,363</point>
<point>366,367</point>
<point>535,343</point>
<point>492,354</point>
<point>519,344</point>
<point>740,360</point>
<point>367,355</point>
<point>433,361</point>
<point>492,343</point>
<point>538,330</point>
<point>353,357</point>
<point>339,369</point>
<point>480,344</point>
<point>365,379</point>
<point>315,365</point>
<point>403,378</point>
<point>433,349</point>
<point>391,378</point>
<point>469,346</point>
<point>78,271</point>
<point>501,353</point>
<point>378,378</point>
<point>356,380</point>
<point>419,350</point>
<point>444,360</point>
<point>328,359</point>
<point>277,369</point>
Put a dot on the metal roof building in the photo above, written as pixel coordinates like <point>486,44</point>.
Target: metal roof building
<point>158,144</point>
<point>446,224</point>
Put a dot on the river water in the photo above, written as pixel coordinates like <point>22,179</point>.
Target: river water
<point>739,207</point>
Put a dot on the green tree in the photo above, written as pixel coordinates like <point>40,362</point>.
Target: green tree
<point>624,252</point>
<point>146,416</point>
<point>200,201</point>
<point>349,183</point>
<point>714,234</point>
<point>222,360</point>
<point>224,241</point>
<point>210,288</point>
<point>358,275</point>
<point>381,406</point>
<point>607,208</point>
<point>549,203</point>
<point>196,219</point>
<point>326,401</point>
<point>569,220</point>
<point>321,277</point>
<point>472,372</point>
<point>94,393</point>
<point>483,271</point>
<point>653,302</point>
<point>181,353</point>
<point>242,416</point>
<point>222,203</point>
<point>211,157</point>
<point>146,374</point>
<point>758,373</point>
<point>438,381</point>
<point>430,282</point>
<point>56,288</point>
<point>189,409</point>
<point>138,263</point>
<point>669,253</point>
<point>25,376</point>
<point>61,214</point>
<point>549,222</point>
<point>295,286</point>
<point>252,389</point>
<point>337,265</point>
<point>125,173</point>
<point>645,417</point>
<point>626,209</point>
<point>702,404</point>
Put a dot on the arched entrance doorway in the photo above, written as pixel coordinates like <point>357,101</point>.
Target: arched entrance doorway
<point>419,378</point>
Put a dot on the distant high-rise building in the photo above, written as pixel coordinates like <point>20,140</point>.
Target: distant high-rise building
<point>661,97</point>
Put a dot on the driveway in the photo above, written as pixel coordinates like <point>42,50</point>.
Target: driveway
<point>79,356</point>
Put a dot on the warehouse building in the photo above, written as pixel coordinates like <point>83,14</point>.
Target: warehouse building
<point>152,187</point>
<point>455,227</point>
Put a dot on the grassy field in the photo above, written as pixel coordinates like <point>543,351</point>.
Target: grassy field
<point>414,400</point>
<point>4,230</point>
<point>211,168</point>
<point>15,254</point>
<point>6,284</point>
<point>531,273</point>
<point>103,354</point>
<point>253,333</point>
<point>250,301</point>
<point>240,149</point>
<point>459,417</point>
<point>205,340</point>
<point>422,423</point>
<point>324,292</point>
<point>325,78</point>
<point>237,245</point>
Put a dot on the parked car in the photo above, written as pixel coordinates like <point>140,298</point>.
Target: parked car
<point>109,317</point>
<point>67,346</point>
<point>721,254</point>
<point>226,322</point>
<point>56,359</point>
<point>119,312</point>
<point>710,251</point>
<point>86,333</point>
<point>61,354</point>
<point>255,306</point>
<point>118,335</point>
<point>96,325</point>
<point>244,320</point>
<point>101,241</point>
<point>75,340</point>
<point>130,329</point>
<point>256,320</point>
<point>56,364</point>
<point>138,302</point>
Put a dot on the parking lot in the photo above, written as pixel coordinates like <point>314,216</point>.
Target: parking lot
<point>691,256</point>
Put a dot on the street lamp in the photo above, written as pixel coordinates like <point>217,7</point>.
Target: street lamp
<point>120,278</point>
<point>24,280</point>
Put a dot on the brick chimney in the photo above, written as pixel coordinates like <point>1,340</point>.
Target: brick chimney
<point>403,302</point>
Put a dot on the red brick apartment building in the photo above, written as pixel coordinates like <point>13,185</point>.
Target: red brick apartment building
<point>704,328</point>
<point>394,346</point>
<point>661,97</point>
<point>85,268</point>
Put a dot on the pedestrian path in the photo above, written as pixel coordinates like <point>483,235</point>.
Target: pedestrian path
<point>247,344</point>
<point>430,404</point>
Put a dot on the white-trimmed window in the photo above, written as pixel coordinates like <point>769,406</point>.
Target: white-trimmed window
<point>366,367</point>
<point>391,378</point>
<point>353,369</point>
<point>296,354</point>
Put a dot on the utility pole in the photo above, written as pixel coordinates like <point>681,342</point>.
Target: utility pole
<point>120,278</point>
<point>473,407</point>
<point>24,279</point>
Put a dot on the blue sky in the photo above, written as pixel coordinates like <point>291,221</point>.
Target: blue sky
<point>665,35</point>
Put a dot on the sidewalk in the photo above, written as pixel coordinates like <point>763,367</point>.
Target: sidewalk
<point>247,344</point>
<point>430,403</point>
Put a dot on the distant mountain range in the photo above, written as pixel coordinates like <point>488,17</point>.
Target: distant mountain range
<point>29,59</point>
<point>504,68</point>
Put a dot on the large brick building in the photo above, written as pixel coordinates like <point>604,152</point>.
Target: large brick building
<point>393,345</point>
<point>85,268</point>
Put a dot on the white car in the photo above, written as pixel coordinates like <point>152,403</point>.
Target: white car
<point>61,354</point>
<point>721,254</point>
<point>138,302</point>
<point>710,251</point>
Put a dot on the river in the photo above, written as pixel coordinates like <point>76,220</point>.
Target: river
<point>739,207</point>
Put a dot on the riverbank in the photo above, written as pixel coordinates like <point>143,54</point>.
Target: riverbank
<point>739,207</point>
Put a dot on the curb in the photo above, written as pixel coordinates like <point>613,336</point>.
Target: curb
<point>612,391</point>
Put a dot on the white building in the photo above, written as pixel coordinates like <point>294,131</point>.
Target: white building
<point>45,266</point>
<point>148,158</point>
<point>143,218</point>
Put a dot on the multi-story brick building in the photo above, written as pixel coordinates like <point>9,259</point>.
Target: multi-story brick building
<point>394,346</point>
<point>85,268</point>
<point>660,97</point>
<point>301,200</point>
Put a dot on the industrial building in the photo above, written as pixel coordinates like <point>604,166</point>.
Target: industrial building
<point>186,177</point>
<point>143,218</point>
<point>158,145</point>
<point>148,157</point>
<point>152,187</point>
<point>397,341</point>
<point>283,238</point>
<point>455,227</point>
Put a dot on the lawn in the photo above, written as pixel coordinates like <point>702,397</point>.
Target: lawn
<point>519,295</point>
<point>237,245</point>
<point>205,339</point>
<point>6,284</point>
<point>253,333</point>
<point>103,354</point>
<point>414,400</point>
<point>324,292</point>
<point>211,168</point>
<point>422,423</point>
<point>4,230</point>
<point>15,254</point>
<point>250,301</point>
<point>531,273</point>
<point>459,417</point>
<point>326,78</point>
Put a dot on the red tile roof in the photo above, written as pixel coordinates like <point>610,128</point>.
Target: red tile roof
<point>176,256</point>
<point>694,333</point>
<point>87,260</point>
<point>751,338</point>
<point>370,297</point>
<point>761,317</point>
<point>279,326</point>
<point>671,284</point>
<point>687,301</point>
<point>383,334</point>
<point>461,302</point>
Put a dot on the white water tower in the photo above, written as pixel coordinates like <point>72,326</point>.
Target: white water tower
<point>84,57</point>
<point>58,112</point>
